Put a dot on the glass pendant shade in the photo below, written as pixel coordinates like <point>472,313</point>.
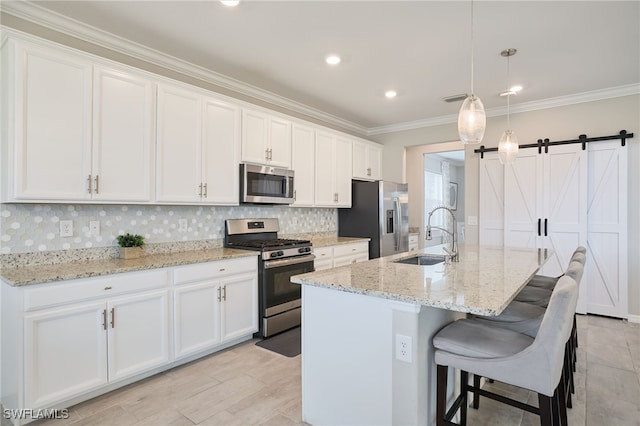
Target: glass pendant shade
<point>472,120</point>
<point>508,147</point>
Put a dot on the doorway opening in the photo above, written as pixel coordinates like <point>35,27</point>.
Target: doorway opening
<point>443,186</point>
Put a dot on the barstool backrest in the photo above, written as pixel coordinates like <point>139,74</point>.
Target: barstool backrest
<point>546,353</point>
<point>575,271</point>
<point>578,257</point>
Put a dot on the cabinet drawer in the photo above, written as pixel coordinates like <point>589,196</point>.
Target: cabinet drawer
<point>347,249</point>
<point>52,294</point>
<point>413,238</point>
<point>323,253</point>
<point>203,271</point>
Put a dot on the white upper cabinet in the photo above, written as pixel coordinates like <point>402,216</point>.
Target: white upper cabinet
<point>49,137</point>
<point>333,170</point>
<point>303,150</point>
<point>197,143</point>
<point>123,136</point>
<point>367,160</point>
<point>79,132</point>
<point>266,139</point>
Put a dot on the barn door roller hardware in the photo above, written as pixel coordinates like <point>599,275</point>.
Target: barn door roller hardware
<point>582,139</point>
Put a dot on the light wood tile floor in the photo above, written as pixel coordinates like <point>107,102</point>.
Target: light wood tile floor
<point>249,385</point>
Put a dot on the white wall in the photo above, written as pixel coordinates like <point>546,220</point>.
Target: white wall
<point>598,118</point>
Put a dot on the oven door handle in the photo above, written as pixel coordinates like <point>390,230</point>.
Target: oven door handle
<point>269,264</point>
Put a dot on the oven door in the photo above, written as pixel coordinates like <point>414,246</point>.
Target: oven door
<point>266,185</point>
<point>277,290</point>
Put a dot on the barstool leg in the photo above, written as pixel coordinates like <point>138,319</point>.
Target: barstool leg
<point>546,411</point>
<point>441,395</point>
<point>464,388</point>
<point>476,395</point>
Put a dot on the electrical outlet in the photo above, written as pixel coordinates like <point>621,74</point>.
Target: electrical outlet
<point>66,228</point>
<point>182,225</point>
<point>94,227</point>
<point>404,348</point>
<point>472,220</point>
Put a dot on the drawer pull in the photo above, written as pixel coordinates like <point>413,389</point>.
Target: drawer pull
<point>222,269</point>
<point>108,287</point>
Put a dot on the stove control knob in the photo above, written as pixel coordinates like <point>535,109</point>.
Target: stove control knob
<point>274,254</point>
<point>304,250</point>
<point>280,253</point>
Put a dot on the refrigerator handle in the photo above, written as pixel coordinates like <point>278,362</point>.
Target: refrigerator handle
<point>396,217</point>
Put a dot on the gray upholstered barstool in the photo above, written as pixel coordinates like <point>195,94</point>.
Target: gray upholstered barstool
<point>542,281</point>
<point>509,357</point>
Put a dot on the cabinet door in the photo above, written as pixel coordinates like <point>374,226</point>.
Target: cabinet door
<point>122,136</point>
<point>325,175</point>
<point>65,353</point>
<point>279,143</point>
<point>197,317</point>
<point>52,127</point>
<point>138,333</point>
<point>254,137</point>
<point>304,165</point>
<point>221,152</point>
<point>239,308</point>
<point>178,158</point>
<point>360,160</point>
<point>342,171</point>
<point>375,162</point>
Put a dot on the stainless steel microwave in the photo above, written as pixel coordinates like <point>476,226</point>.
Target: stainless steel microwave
<point>265,185</point>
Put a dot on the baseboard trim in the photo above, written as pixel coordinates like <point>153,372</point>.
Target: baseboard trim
<point>634,318</point>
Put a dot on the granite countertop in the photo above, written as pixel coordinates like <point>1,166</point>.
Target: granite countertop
<point>73,270</point>
<point>319,242</point>
<point>483,282</point>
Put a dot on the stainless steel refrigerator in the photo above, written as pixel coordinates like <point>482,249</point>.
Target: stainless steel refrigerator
<point>380,211</point>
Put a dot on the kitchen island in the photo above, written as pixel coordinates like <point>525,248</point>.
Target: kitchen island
<point>367,356</point>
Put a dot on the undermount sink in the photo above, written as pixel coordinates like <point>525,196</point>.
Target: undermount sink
<point>423,259</point>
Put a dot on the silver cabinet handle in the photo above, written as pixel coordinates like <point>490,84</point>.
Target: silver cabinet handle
<point>224,293</point>
<point>97,184</point>
<point>89,184</point>
<point>219,294</point>
<point>104,319</point>
<point>108,287</point>
<point>369,171</point>
<point>205,191</point>
<point>200,190</point>
<point>113,317</point>
<point>266,154</point>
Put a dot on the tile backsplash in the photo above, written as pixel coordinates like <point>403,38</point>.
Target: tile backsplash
<point>36,227</point>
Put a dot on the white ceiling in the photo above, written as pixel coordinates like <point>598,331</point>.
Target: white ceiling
<point>421,49</point>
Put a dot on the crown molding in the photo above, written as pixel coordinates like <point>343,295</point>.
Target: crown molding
<point>38,15</point>
<point>51,20</point>
<point>591,96</point>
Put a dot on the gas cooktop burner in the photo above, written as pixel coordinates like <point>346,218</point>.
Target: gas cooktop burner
<point>264,244</point>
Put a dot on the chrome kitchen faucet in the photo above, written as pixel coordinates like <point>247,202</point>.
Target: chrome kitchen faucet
<point>453,252</point>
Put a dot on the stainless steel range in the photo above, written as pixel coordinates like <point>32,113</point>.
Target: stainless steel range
<point>279,299</point>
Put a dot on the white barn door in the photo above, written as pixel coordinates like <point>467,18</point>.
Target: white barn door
<point>491,208</point>
<point>606,279</point>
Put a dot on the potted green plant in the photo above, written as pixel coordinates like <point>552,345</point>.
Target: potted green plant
<point>130,245</point>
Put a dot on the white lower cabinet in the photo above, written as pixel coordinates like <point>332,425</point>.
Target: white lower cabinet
<point>214,303</point>
<point>340,255</point>
<point>78,347</point>
<point>76,339</point>
<point>65,353</point>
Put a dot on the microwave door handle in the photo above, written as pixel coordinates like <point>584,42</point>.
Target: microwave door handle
<point>287,186</point>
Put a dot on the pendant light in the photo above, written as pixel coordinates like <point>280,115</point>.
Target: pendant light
<point>472,119</point>
<point>508,144</point>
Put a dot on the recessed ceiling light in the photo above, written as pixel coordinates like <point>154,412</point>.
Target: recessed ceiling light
<point>333,59</point>
<point>230,3</point>
<point>391,94</point>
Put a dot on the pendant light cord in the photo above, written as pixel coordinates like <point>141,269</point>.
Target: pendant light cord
<point>472,52</point>
<point>508,94</point>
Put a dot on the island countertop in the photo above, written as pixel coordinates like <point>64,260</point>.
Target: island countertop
<point>483,282</point>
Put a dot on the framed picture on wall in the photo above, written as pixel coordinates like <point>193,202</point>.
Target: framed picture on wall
<point>453,196</point>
